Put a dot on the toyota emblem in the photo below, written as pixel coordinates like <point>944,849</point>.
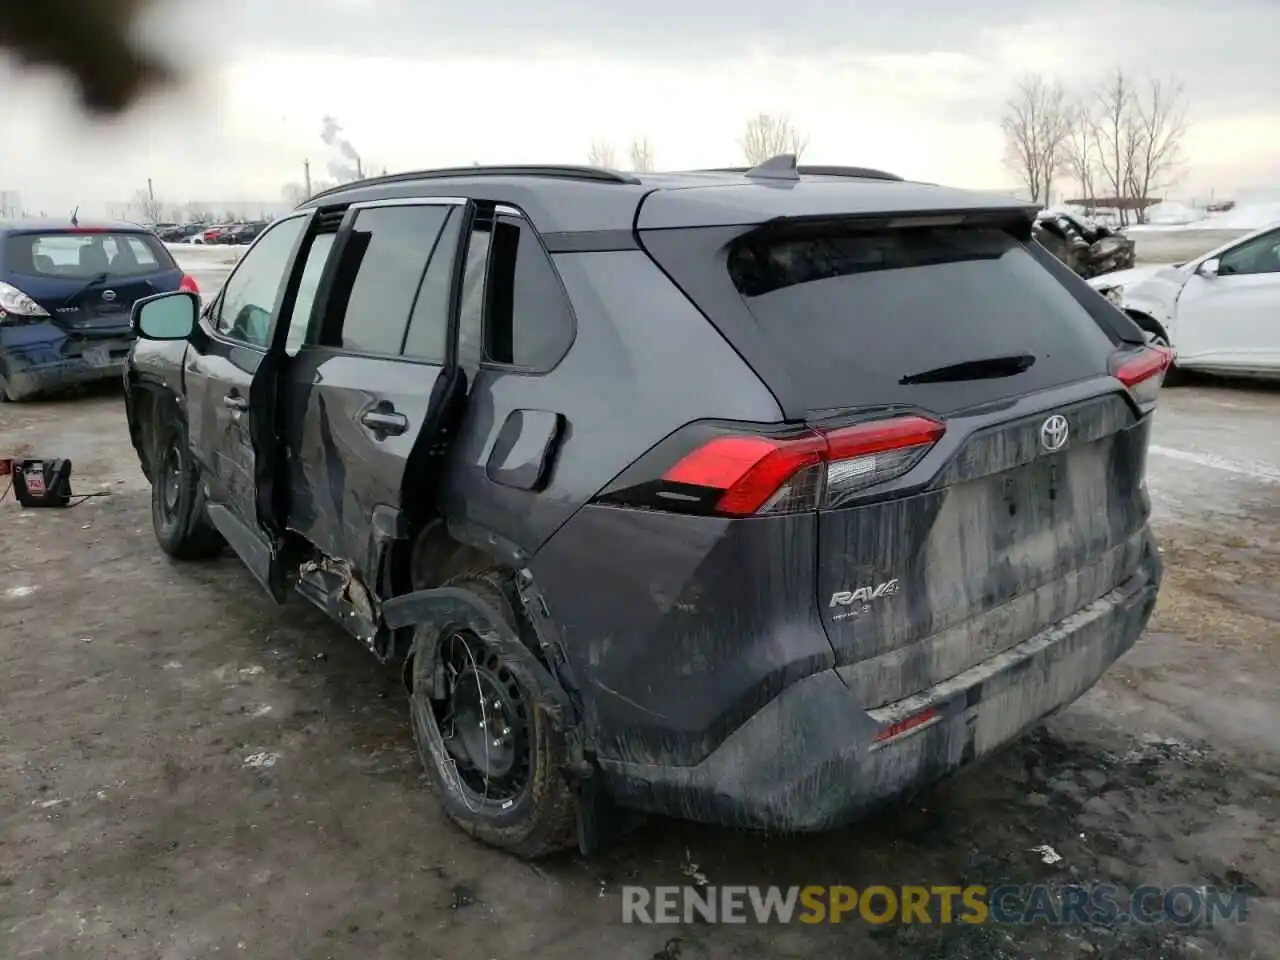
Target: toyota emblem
<point>1054,433</point>
<point>108,295</point>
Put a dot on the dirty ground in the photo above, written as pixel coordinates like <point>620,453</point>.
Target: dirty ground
<point>188,772</point>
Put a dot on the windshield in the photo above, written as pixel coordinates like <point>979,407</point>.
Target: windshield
<point>84,256</point>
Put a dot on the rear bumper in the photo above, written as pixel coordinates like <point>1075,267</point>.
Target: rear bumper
<point>53,365</point>
<point>808,759</point>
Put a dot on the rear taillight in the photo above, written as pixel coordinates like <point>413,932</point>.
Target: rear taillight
<point>739,475</point>
<point>1143,373</point>
<point>189,284</point>
<point>18,308</point>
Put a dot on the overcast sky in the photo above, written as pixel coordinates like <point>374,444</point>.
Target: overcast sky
<point>915,87</point>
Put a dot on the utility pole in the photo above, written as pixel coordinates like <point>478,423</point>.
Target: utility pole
<point>306,173</point>
<point>151,193</point>
<point>359,169</point>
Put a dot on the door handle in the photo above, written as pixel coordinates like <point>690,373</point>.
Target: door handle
<point>235,402</point>
<point>385,422</point>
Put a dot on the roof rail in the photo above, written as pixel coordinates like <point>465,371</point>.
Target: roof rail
<point>864,173</point>
<point>592,174</point>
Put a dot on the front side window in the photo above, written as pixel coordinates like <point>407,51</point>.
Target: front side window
<point>308,286</point>
<point>244,311</point>
<point>1259,255</point>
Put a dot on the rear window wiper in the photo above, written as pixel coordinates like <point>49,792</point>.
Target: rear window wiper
<point>89,285</point>
<point>988,368</point>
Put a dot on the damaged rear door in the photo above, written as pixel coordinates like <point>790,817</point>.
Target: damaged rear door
<point>374,395</point>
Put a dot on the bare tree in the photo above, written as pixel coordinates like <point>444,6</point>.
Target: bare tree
<point>768,136</point>
<point>1080,152</point>
<point>641,155</point>
<point>148,206</point>
<point>1161,124</point>
<point>1036,125</point>
<point>601,155</point>
<point>1116,129</point>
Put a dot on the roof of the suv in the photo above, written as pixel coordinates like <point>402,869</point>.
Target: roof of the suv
<point>563,199</point>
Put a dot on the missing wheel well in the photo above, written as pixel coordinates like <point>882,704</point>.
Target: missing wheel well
<point>1148,323</point>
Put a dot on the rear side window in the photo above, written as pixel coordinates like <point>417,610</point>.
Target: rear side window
<point>428,334</point>
<point>856,316</point>
<point>528,322</point>
<point>83,256</point>
<point>384,263</point>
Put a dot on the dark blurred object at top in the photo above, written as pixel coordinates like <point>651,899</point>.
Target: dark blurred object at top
<point>92,40</point>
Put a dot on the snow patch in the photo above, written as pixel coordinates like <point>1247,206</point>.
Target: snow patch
<point>261,761</point>
<point>15,593</point>
<point>1047,854</point>
<point>1253,216</point>
<point>1175,216</point>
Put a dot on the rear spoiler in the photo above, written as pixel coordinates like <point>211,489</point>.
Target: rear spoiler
<point>754,202</point>
<point>1014,221</point>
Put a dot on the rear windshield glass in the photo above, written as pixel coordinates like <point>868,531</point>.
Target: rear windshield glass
<point>83,256</point>
<point>853,314</point>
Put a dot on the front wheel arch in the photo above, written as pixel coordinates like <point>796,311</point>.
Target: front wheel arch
<point>147,404</point>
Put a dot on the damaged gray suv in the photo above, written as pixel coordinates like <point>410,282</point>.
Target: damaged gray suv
<point>758,497</point>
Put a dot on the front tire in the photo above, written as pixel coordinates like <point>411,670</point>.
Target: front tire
<point>177,504</point>
<point>492,746</point>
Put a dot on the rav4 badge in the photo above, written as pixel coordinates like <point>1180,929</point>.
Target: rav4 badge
<point>847,598</point>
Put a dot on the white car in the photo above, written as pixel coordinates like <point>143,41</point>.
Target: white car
<point>1219,312</point>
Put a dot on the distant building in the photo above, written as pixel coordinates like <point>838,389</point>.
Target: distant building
<point>10,203</point>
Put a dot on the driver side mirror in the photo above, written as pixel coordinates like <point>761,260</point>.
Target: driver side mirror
<point>1209,269</point>
<point>166,316</point>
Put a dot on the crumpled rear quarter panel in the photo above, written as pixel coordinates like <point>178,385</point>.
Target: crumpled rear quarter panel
<point>679,628</point>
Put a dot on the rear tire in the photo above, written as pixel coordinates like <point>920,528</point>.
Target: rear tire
<point>178,516</point>
<point>493,747</point>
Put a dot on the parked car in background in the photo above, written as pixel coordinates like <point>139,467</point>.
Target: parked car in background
<point>65,297</point>
<point>178,233</point>
<point>674,492</point>
<point>1089,249</point>
<point>1219,312</point>
<point>214,234</point>
<point>242,233</point>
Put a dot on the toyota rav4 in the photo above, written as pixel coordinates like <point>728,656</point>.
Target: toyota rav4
<point>757,497</point>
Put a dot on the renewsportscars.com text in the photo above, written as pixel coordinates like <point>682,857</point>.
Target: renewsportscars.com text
<point>1008,904</point>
